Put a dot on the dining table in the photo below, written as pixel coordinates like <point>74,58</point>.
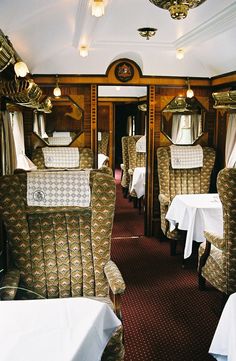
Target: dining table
<point>62,329</point>
<point>195,213</point>
<point>223,345</point>
<point>138,181</point>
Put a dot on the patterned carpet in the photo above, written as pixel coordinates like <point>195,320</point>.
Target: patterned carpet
<point>166,317</point>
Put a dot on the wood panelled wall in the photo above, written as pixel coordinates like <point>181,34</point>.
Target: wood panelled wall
<point>82,90</point>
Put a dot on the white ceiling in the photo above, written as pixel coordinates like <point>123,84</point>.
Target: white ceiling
<point>47,35</point>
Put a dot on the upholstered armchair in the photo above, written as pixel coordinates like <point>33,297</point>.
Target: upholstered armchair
<point>136,159</point>
<point>62,251</point>
<point>125,165</point>
<point>86,157</point>
<point>217,256</point>
<point>103,143</point>
<point>180,181</point>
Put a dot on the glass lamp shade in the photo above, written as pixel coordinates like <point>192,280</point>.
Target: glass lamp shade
<point>189,93</point>
<point>57,91</point>
<point>180,54</point>
<point>21,69</point>
<point>98,8</point>
<point>83,51</point>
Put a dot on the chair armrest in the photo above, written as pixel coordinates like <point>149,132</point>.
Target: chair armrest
<point>114,278</point>
<point>9,284</point>
<point>215,239</point>
<point>164,200</point>
<point>117,286</point>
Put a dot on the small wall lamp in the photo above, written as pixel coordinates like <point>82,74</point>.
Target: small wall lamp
<point>190,92</point>
<point>57,90</point>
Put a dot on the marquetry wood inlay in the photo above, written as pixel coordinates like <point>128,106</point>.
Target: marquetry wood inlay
<point>94,118</point>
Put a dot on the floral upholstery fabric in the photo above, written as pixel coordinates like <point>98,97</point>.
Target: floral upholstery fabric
<point>63,251</point>
<point>136,159</point>
<point>220,267</point>
<point>181,181</point>
<point>86,158</point>
<point>125,160</point>
<point>103,143</point>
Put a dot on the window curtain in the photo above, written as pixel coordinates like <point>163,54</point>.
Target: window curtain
<point>22,161</point>
<point>8,149</point>
<point>230,146</point>
<point>181,129</point>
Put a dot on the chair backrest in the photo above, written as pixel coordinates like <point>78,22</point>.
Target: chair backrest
<point>59,251</point>
<point>103,143</point>
<point>226,186</point>
<point>136,159</point>
<point>125,161</point>
<point>184,181</point>
<point>86,158</point>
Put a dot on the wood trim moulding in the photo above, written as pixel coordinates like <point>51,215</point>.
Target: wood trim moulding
<point>74,80</point>
<point>224,79</point>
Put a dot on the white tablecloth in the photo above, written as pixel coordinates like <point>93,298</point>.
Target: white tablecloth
<point>68,329</point>
<point>223,346</point>
<point>138,181</point>
<point>196,213</point>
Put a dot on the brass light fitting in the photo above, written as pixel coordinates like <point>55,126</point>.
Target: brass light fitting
<point>178,8</point>
<point>147,32</point>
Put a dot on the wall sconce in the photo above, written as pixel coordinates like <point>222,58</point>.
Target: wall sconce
<point>83,51</point>
<point>98,8</point>
<point>8,56</point>
<point>180,54</point>
<point>21,68</point>
<point>57,90</point>
<point>189,93</point>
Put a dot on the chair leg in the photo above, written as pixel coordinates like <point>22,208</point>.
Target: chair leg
<point>173,246</point>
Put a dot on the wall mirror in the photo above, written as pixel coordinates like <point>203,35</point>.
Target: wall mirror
<point>63,124</point>
<point>183,120</point>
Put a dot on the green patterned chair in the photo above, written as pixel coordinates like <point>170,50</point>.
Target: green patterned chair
<point>62,251</point>
<point>125,165</point>
<point>86,158</point>
<point>103,143</point>
<point>217,256</point>
<point>180,181</point>
<point>136,159</point>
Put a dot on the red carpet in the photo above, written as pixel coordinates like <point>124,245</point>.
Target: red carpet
<point>166,317</point>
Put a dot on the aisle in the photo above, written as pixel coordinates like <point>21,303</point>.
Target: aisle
<point>166,317</point>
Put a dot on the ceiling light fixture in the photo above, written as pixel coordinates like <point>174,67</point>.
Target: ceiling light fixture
<point>57,90</point>
<point>189,93</point>
<point>180,54</point>
<point>178,8</point>
<point>83,51</point>
<point>147,32</point>
<point>98,8</point>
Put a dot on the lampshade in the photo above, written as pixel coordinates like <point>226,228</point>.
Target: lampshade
<point>83,51</point>
<point>57,90</point>
<point>21,69</point>
<point>179,8</point>
<point>98,8</point>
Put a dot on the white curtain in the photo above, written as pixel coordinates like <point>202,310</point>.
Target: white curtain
<point>22,161</point>
<point>8,150</point>
<point>181,129</point>
<point>230,145</point>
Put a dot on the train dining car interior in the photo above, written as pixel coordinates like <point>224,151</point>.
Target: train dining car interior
<point>118,180</point>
